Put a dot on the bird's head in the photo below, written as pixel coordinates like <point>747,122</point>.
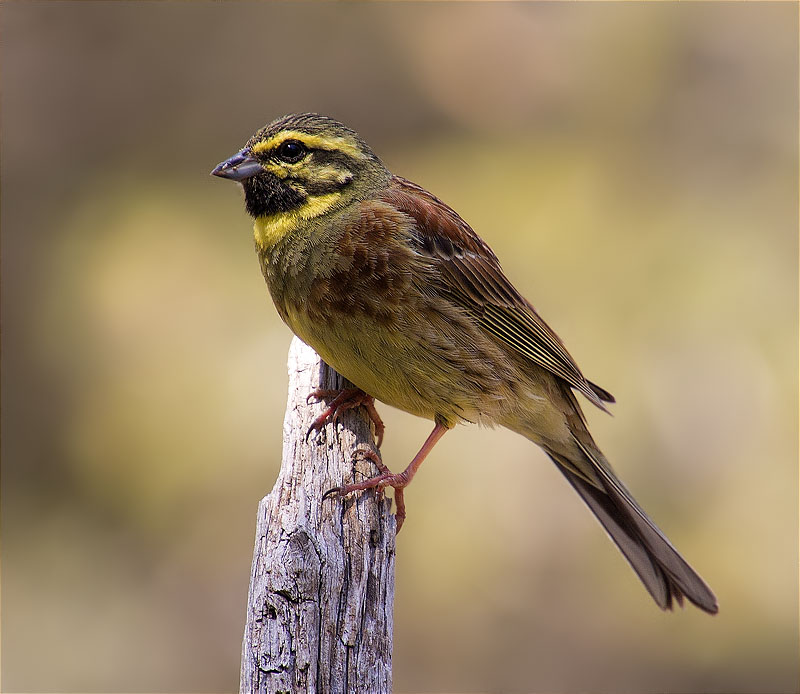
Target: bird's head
<point>303,165</point>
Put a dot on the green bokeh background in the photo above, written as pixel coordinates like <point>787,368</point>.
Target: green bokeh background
<point>635,168</point>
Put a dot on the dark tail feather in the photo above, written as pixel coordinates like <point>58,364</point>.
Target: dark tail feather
<point>664,572</point>
<point>601,393</point>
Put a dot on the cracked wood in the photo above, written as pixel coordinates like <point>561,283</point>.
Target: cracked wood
<point>319,612</point>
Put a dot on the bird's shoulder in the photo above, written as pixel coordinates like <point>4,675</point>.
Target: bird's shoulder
<point>438,227</point>
<point>468,271</point>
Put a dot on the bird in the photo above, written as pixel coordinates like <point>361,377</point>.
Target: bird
<point>397,293</point>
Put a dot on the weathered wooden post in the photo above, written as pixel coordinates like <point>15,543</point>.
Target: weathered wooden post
<point>319,611</point>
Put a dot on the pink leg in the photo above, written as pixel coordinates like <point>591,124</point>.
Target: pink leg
<point>397,481</point>
<point>343,400</point>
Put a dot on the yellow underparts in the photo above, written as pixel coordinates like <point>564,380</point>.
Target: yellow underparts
<point>269,229</point>
<point>332,142</point>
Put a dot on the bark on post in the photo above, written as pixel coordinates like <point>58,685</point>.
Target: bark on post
<point>319,611</point>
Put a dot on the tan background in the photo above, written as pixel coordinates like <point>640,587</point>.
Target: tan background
<point>635,168</point>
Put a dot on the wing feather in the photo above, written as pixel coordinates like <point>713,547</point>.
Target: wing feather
<point>471,275</point>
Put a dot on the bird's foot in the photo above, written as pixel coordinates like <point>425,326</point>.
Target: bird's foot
<point>386,478</point>
<point>341,401</point>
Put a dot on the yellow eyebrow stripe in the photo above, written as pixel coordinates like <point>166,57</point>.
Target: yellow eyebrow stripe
<point>330,142</point>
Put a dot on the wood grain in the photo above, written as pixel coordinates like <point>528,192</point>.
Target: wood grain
<point>319,612</point>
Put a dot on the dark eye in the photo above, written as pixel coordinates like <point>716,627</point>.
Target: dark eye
<point>291,151</point>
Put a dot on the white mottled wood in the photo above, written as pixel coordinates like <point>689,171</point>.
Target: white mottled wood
<point>319,611</point>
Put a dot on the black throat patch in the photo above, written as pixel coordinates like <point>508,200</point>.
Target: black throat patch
<point>265,194</point>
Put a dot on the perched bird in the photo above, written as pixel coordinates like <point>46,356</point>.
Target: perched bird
<point>398,294</point>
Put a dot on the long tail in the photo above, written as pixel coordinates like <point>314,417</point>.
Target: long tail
<point>664,572</point>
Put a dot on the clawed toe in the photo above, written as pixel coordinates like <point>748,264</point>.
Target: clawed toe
<point>335,491</point>
<point>343,400</point>
<point>386,478</point>
<point>320,394</point>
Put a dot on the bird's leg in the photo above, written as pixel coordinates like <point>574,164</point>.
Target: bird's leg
<point>345,399</point>
<point>397,481</point>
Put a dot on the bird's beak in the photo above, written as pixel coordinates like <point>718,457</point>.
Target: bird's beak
<point>240,166</point>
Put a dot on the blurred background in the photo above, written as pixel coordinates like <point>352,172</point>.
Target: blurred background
<point>633,165</point>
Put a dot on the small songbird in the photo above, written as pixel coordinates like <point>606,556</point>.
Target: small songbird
<point>398,294</point>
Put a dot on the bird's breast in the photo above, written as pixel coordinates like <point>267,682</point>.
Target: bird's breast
<point>362,300</point>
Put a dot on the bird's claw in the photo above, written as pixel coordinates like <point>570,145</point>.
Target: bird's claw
<point>385,478</point>
<point>343,400</point>
<point>334,491</point>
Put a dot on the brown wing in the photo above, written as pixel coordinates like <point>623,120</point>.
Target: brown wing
<point>473,278</point>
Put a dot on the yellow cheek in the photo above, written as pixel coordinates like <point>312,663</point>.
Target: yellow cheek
<point>331,173</point>
<point>277,170</point>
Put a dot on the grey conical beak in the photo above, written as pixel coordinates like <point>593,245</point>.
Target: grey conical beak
<point>240,166</point>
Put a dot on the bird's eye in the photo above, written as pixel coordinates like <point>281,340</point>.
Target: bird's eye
<point>291,151</point>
